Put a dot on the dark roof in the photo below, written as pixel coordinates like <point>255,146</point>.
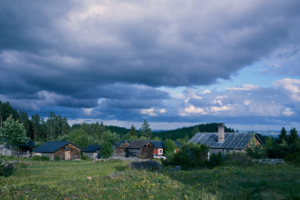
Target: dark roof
<point>160,144</point>
<point>119,143</point>
<point>51,147</point>
<point>29,143</point>
<point>137,144</point>
<point>232,140</point>
<point>92,148</point>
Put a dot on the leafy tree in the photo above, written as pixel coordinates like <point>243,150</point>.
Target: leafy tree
<point>110,137</point>
<point>106,149</point>
<point>293,137</point>
<point>157,139</point>
<point>170,146</point>
<point>283,136</point>
<point>13,133</point>
<point>133,131</point>
<point>145,130</point>
<point>181,142</point>
<point>195,130</point>
<point>80,138</point>
<point>142,138</point>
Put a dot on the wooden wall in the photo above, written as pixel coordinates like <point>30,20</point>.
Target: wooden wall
<point>120,151</point>
<point>74,152</point>
<point>147,151</point>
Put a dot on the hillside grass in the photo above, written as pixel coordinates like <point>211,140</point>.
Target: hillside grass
<point>69,180</point>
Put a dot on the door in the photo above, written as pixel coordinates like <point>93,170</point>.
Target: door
<point>67,155</point>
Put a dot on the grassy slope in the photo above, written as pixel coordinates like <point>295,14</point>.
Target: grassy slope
<point>68,180</point>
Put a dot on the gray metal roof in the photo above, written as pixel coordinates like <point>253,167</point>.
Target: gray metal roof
<point>231,141</point>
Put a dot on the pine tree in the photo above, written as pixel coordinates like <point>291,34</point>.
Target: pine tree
<point>145,130</point>
<point>293,137</point>
<point>195,130</point>
<point>133,131</point>
<point>283,136</point>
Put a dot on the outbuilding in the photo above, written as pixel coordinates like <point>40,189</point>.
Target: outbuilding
<point>226,142</point>
<point>140,148</point>
<point>65,150</point>
<point>21,150</point>
<point>119,148</point>
<point>92,151</point>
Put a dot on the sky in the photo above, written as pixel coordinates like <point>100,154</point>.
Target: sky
<point>173,63</point>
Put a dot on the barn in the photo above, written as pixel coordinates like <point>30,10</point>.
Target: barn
<point>225,142</point>
<point>142,148</point>
<point>159,147</point>
<point>63,149</point>
<point>92,151</point>
<point>119,149</point>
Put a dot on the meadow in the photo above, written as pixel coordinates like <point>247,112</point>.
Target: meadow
<point>69,180</point>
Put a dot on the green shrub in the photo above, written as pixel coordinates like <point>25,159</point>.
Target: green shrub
<point>1,168</point>
<point>282,150</point>
<point>257,152</point>
<point>85,158</point>
<point>215,160</point>
<point>106,150</point>
<point>36,158</point>
<point>45,158</point>
<point>190,155</point>
<point>57,158</point>
<point>293,158</point>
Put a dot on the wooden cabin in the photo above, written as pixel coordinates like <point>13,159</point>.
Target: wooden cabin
<point>65,150</point>
<point>225,142</point>
<point>92,151</point>
<point>21,150</point>
<point>159,147</point>
<point>142,148</point>
<point>119,149</point>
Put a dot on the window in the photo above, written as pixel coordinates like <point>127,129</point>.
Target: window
<point>160,151</point>
<point>67,147</point>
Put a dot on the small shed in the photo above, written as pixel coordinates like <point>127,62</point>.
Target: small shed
<point>22,150</point>
<point>159,147</point>
<point>92,151</point>
<point>64,149</point>
<point>141,148</point>
<point>119,148</point>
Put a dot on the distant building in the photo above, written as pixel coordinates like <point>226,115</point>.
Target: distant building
<point>65,150</point>
<point>92,151</point>
<point>225,142</point>
<point>159,147</point>
<point>119,149</point>
<point>22,150</point>
<point>142,148</point>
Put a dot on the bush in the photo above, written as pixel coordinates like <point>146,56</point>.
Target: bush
<point>1,168</point>
<point>36,158</point>
<point>293,158</point>
<point>57,158</point>
<point>106,150</point>
<point>85,158</point>
<point>215,160</point>
<point>282,150</point>
<point>45,158</point>
<point>190,155</point>
<point>257,152</point>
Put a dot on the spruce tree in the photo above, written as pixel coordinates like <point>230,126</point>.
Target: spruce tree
<point>145,130</point>
<point>283,136</point>
<point>133,131</point>
<point>293,137</point>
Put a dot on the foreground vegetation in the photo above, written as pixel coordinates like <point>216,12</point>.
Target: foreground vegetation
<point>69,180</point>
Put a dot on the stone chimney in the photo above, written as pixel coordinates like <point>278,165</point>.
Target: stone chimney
<point>149,139</point>
<point>221,134</point>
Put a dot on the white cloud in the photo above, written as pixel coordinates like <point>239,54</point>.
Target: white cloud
<point>288,111</point>
<point>247,102</point>
<point>288,84</point>
<point>206,91</point>
<point>244,87</point>
<point>193,109</point>
<point>162,110</point>
<point>149,112</point>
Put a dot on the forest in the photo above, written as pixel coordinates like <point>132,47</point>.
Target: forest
<point>57,128</point>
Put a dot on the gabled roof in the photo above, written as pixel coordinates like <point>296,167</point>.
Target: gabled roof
<point>92,148</point>
<point>137,144</point>
<point>51,147</point>
<point>119,143</point>
<point>160,144</point>
<point>231,141</point>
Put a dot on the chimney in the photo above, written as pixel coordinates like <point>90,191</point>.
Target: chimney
<point>149,139</point>
<point>221,134</point>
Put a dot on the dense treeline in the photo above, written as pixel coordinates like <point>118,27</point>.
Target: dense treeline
<point>189,131</point>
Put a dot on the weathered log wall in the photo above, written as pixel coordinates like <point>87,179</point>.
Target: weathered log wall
<point>74,152</point>
<point>120,151</point>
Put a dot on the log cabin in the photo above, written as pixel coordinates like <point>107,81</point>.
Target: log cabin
<point>119,149</point>
<point>140,148</point>
<point>63,149</point>
<point>92,151</point>
<point>226,142</point>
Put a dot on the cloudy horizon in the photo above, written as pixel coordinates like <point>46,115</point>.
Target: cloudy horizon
<point>172,63</point>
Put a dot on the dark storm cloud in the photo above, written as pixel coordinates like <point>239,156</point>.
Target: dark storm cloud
<point>70,54</point>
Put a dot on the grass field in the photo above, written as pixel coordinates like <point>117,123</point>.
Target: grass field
<point>68,180</point>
